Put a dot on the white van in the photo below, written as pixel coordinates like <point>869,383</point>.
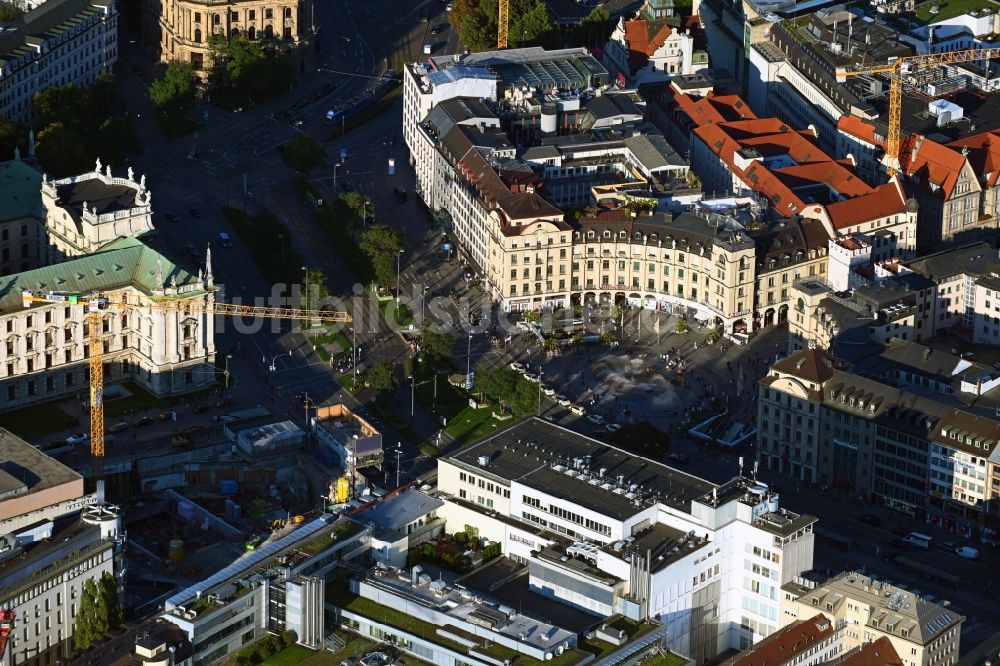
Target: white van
<point>967,552</point>
<point>919,540</point>
<point>225,239</point>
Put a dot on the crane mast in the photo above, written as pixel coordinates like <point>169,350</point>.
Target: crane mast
<point>503,21</point>
<point>895,70</point>
<point>99,303</point>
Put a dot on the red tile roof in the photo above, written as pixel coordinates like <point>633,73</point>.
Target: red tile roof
<point>984,154</point>
<point>931,162</point>
<point>879,653</point>
<point>860,129</point>
<point>833,174</point>
<point>785,644</point>
<point>712,109</point>
<point>643,38</point>
<point>884,200</point>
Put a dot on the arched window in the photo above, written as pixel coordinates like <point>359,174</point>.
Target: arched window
<point>235,32</point>
<point>268,31</point>
<point>197,35</point>
<point>252,33</point>
<point>288,12</point>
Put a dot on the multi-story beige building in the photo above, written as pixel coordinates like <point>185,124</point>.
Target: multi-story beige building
<point>921,632</point>
<point>45,351</point>
<point>57,43</point>
<point>282,25</point>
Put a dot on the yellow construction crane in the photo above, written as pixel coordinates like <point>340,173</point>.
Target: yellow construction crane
<point>502,22</point>
<point>97,304</point>
<point>895,70</point>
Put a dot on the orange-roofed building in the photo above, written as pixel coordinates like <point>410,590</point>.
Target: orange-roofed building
<point>648,48</point>
<point>802,642</point>
<point>948,191</point>
<point>764,157</point>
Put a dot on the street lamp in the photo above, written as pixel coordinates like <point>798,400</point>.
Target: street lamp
<point>468,359</point>
<point>273,367</point>
<point>228,356</point>
<point>305,281</point>
<point>413,392</point>
<point>335,167</point>
<point>399,454</point>
<point>398,257</point>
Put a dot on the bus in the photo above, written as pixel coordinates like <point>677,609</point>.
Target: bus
<point>919,540</point>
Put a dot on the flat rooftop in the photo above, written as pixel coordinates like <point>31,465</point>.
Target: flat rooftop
<point>72,542</point>
<point>564,463</point>
<point>262,557</point>
<point>399,510</point>
<point>25,469</point>
<point>457,602</point>
<point>99,197</point>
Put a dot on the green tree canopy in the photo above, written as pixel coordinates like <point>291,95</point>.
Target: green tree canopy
<point>303,153</point>
<point>508,387</point>
<point>382,244</point>
<point>359,204</point>
<point>85,625</point>
<point>436,344</point>
<point>175,93</point>
<point>530,27</point>
<point>380,376</point>
<point>12,135</point>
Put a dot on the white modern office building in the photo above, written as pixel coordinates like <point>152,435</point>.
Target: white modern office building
<point>610,532</point>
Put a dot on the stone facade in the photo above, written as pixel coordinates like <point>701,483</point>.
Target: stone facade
<point>186,25</point>
<point>57,43</point>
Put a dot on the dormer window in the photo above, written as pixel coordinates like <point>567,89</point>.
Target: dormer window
<point>590,234</point>
<point>607,234</point>
<point>871,408</point>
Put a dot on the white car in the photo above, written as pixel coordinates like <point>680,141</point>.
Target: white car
<point>517,367</point>
<point>578,410</point>
<point>78,438</point>
<point>613,427</point>
<point>563,401</point>
<point>548,390</point>
<point>532,377</point>
<point>596,418</point>
<point>967,552</point>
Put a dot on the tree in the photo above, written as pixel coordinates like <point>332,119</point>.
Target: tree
<point>507,387</point>
<point>303,153</point>
<point>382,245</point>
<point>85,629</point>
<point>62,151</point>
<point>594,28</point>
<point>242,57</point>
<point>9,12</point>
<point>681,326</point>
<point>380,376</point>
<point>359,204</point>
<point>551,344</point>
<point>531,316</point>
<point>107,601</point>
<point>437,345</point>
<point>11,135</point>
<point>175,93</point>
<point>532,26</point>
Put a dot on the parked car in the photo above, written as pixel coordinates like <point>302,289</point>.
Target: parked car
<point>118,427</point>
<point>563,401</point>
<point>612,428</point>
<point>596,418</point>
<point>578,410</point>
<point>548,390</point>
<point>78,438</point>
<point>142,421</point>
<point>869,519</point>
<point>225,239</point>
<point>532,377</point>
